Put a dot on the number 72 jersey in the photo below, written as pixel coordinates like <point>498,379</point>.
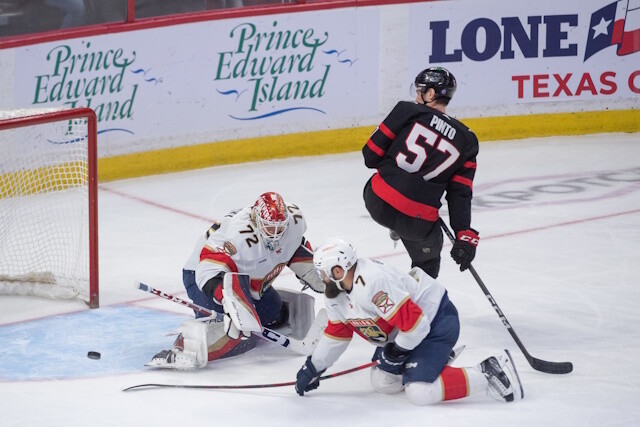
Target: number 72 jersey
<point>237,246</point>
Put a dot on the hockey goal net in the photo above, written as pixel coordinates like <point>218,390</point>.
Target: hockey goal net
<point>48,204</point>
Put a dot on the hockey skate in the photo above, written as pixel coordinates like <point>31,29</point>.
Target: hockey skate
<point>501,373</point>
<point>175,359</point>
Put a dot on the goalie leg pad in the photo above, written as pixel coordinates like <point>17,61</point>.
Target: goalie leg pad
<point>190,350</point>
<point>301,309</point>
<point>200,341</point>
<point>220,346</point>
<point>174,359</point>
<point>194,335</point>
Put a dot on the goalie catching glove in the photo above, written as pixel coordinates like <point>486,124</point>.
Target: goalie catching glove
<point>240,314</point>
<point>464,248</point>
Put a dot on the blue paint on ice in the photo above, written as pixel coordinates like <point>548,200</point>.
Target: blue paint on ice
<point>56,347</point>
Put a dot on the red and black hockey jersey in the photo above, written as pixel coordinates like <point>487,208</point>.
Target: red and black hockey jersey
<point>420,153</point>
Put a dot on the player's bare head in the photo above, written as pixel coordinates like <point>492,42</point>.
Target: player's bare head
<point>440,80</point>
<point>271,218</point>
<point>333,259</point>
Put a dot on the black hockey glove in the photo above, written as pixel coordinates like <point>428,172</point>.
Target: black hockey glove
<point>392,359</point>
<point>307,378</point>
<point>464,248</point>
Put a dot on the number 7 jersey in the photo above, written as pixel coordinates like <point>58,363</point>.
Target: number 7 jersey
<point>384,305</point>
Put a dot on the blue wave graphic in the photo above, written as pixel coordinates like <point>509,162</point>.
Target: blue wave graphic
<point>231,92</point>
<point>338,53</point>
<point>82,138</point>
<point>144,75</point>
<point>332,51</point>
<point>68,141</point>
<point>348,61</point>
<point>115,130</point>
<point>275,113</point>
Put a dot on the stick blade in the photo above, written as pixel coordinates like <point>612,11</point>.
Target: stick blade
<point>142,386</point>
<point>547,367</point>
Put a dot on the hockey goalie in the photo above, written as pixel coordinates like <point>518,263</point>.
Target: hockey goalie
<point>231,272</point>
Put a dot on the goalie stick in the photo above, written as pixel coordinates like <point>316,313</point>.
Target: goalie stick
<point>304,346</point>
<point>453,356</point>
<point>537,364</point>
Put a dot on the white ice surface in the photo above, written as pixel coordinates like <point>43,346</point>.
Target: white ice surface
<point>559,251</point>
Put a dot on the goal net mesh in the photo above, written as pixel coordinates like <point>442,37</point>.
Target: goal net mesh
<point>44,205</point>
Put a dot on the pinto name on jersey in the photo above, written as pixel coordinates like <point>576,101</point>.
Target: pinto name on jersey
<point>443,127</point>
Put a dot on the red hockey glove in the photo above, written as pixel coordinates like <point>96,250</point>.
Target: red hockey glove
<point>464,248</point>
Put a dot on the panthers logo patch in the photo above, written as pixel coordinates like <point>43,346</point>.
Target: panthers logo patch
<point>382,301</point>
<point>229,248</point>
<point>369,329</point>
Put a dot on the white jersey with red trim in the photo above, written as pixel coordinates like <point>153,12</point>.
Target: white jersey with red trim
<point>237,246</point>
<point>384,305</point>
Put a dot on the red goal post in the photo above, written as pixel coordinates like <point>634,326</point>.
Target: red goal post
<point>49,204</point>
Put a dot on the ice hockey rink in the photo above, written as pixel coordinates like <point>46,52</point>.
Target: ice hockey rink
<point>559,220</point>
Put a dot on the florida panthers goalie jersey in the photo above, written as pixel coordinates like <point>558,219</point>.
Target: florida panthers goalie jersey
<point>237,246</point>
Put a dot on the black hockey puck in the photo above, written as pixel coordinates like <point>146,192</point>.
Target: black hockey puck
<point>93,355</point>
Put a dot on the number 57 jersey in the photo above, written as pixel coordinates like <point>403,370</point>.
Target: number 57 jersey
<point>420,153</point>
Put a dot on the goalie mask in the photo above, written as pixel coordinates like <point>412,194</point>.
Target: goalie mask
<point>334,252</point>
<point>271,218</point>
<point>438,78</point>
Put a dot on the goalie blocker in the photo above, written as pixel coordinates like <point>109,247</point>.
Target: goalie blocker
<point>216,337</point>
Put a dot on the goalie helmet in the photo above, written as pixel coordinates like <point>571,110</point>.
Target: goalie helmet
<point>334,252</point>
<point>438,78</point>
<point>271,217</point>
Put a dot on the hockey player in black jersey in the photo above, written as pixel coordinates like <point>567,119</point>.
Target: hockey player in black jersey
<point>420,153</point>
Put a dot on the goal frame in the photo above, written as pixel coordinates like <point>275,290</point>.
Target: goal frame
<point>92,178</point>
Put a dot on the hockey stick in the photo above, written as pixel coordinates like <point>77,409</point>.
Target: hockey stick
<point>246,386</point>
<point>452,357</point>
<point>304,346</point>
<point>537,364</point>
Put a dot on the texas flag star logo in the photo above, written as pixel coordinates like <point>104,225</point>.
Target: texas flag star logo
<point>618,23</point>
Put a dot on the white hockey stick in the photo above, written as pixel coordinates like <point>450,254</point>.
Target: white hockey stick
<point>304,346</point>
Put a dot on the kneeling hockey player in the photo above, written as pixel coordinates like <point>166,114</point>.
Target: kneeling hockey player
<point>411,320</point>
